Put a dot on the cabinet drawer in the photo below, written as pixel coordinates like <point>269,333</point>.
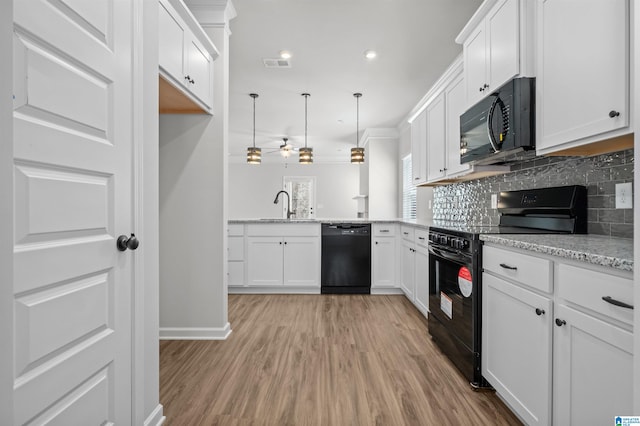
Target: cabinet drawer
<point>235,229</point>
<point>586,288</point>
<point>408,233</point>
<point>529,270</point>
<point>236,248</point>
<point>384,230</point>
<point>422,237</point>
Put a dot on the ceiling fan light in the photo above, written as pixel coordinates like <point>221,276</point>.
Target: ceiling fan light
<point>254,155</point>
<point>305,155</point>
<point>285,151</point>
<point>357,155</point>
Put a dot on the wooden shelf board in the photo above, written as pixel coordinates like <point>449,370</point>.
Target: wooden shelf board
<point>173,101</point>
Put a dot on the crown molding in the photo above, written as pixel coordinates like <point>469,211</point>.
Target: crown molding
<point>212,13</point>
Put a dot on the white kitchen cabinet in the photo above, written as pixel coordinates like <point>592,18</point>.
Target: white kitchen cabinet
<point>593,346</point>
<point>582,87</point>
<point>283,255</point>
<point>384,250</point>
<point>593,362</point>
<point>265,259</point>
<point>419,148</point>
<point>491,51</point>
<point>516,347</point>
<point>556,344</point>
<point>421,277</point>
<point>407,269</point>
<point>436,167</point>
<point>301,261</point>
<point>455,104</point>
<point>184,61</point>
<point>235,255</point>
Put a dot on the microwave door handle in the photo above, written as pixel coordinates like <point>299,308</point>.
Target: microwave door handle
<point>492,139</point>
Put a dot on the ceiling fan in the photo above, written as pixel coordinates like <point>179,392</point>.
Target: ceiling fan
<point>285,149</point>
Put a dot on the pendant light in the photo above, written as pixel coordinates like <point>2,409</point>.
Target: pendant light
<point>305,154</point>
<point>357,153</point>
<point>254,155</point>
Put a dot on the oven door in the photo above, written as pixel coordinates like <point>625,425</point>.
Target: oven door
<point>454,321</point>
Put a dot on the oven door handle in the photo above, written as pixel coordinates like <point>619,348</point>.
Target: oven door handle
<point>446,254</point>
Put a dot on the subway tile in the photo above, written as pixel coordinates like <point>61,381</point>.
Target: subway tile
<point>611,215</point>
<point>622,230</point>
<point>622,173</point>
<point>592,215</point>
<point>599,228</point>
<point>628,215</point>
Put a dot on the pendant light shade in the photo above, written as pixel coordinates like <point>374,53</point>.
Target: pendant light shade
<point>305,154</point>
<point>357,153</point>
<point>254,155</point>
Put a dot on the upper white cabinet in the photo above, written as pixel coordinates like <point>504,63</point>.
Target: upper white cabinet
<point>436,138</point>
<point>497,45</point>
<point>185,59</point>
<point>582,87</point>
<point>419,148</point>
<point>443,127</point>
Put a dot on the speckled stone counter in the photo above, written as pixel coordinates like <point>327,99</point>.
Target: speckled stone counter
<point>611,252</point>
<point>414,223</point>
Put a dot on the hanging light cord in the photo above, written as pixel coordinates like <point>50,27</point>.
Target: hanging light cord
<point>357,120</point>
<point>306,96</point>
<point>254,121</point>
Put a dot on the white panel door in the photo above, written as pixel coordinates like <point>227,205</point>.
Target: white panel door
<point>407,272</point>
<point>455,106</point>
<point>475,65</point>
<point>421,278</point>
<point>592,370</point>
<point>503,41</point>
<point>419,148</point>
<point>301,261</point>
<point>436,139</point>
<point>384,262</point>
<point>516,347</point>
<point>265,256</point>
<point>199,70</point>
<point>72,192</point>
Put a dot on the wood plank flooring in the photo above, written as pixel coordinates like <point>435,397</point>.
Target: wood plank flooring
<point>320,360</point>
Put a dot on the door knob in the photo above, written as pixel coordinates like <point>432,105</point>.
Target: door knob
<point>125,242</point>
<point>539,311</point>
<point>613,113</point>
<point>560,322</point>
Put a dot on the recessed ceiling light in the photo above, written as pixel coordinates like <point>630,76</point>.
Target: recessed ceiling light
<point>370,54</point>
<point>285,54</point>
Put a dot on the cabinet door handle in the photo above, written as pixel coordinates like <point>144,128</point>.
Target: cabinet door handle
<point>539,311</point>
<point>560,322</point>
<point>384,230</point>
<point>405,233</point>
<point>485,86</point>
<point>615,302</point>
<point>285,243</point>
<point>421,238</point>
<point>280,243</point>
<point>614,113</point>
<point>505,266</point>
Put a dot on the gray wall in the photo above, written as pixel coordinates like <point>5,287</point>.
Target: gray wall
<point>252,188</point>
<point>193,214</point>
<point>470,202</point>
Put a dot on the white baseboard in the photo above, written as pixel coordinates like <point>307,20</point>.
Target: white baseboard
<point>195,333</point>
<point>156,418</point>
<point>274,290</point>
<point>386,290</point>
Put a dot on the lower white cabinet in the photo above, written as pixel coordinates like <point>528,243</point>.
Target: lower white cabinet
<point>277,261</point>
<point>407,269</point>
<point>516,347</point>
<point>558,350</point>
<point>593,364</point>
<point>383,257</point>
<point>421,259</point>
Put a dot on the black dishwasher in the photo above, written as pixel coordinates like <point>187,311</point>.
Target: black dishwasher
<point>346,258</point>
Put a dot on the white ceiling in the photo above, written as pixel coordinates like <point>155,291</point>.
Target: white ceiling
<point>414,40</point>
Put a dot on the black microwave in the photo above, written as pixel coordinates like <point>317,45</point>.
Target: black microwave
<point>500,124</point>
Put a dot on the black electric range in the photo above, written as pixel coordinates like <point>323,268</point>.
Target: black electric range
<point>455,265</point>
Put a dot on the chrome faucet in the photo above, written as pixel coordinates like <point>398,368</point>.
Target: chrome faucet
<point>289,212</point>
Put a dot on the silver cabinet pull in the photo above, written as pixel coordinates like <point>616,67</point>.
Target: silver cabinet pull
<point>505,266</point>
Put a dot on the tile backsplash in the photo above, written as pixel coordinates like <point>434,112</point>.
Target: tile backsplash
<point>470,202</point>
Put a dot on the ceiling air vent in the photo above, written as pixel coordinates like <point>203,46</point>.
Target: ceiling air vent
<point>276,63</point>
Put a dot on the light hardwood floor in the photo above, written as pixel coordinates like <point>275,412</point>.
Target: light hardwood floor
<point>320,360</point>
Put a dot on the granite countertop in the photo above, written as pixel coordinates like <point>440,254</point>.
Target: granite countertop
<point>600,250</point>
<point>415,223</point>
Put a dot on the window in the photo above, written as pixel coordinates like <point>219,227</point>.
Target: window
<point>408,190</point>
<point>303,197</point>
